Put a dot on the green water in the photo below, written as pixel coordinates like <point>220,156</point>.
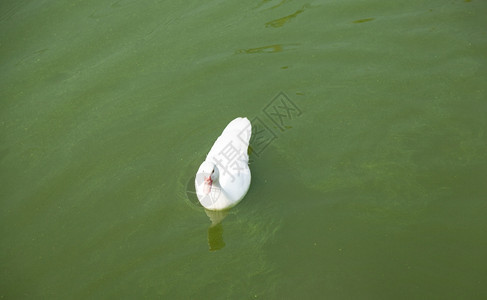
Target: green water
<point>376,190</point>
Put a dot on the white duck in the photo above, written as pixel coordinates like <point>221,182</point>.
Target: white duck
<point>223,178</point>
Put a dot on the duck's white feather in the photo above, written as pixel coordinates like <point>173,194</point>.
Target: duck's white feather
<point>229,156</point>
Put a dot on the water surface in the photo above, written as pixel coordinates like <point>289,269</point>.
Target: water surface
<point>372,188</point>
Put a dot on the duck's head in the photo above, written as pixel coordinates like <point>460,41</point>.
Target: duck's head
<point>210,173</point>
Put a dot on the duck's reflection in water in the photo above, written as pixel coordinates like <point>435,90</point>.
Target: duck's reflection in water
<point>215,231</point>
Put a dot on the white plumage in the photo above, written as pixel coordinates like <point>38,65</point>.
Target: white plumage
<point>223,178</point>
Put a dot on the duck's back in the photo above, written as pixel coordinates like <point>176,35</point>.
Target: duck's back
<point>234,141</point>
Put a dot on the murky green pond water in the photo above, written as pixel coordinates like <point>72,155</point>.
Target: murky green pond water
<point>368,176</point>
